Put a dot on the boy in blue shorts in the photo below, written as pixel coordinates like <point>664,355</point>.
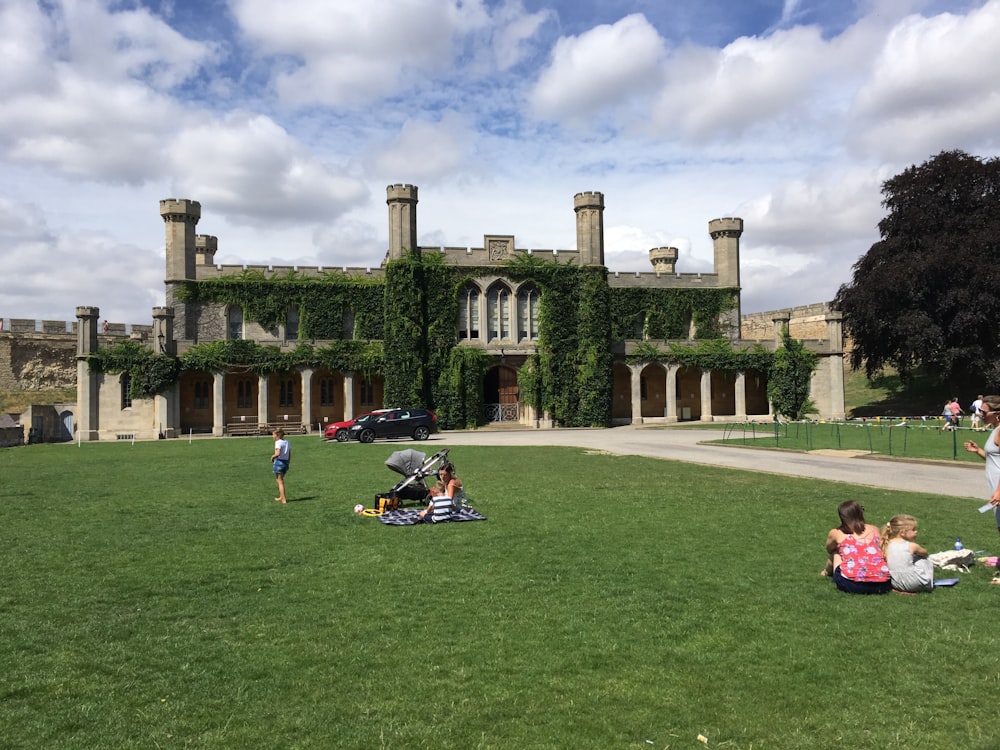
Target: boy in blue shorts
<point>279,463</point>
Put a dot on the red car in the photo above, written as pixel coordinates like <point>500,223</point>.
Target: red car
<point>340,431</point>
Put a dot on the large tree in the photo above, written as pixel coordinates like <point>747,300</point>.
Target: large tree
<point>926,295</point>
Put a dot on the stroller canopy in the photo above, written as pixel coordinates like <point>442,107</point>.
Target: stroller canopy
<point>406,462</point>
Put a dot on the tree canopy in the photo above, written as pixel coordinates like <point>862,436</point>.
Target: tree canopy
<point>925,295</point>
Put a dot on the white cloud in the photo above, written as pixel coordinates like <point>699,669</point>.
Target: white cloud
<point>426,150</point>
<point>347,53</point>
<point>249,168</point>
<point>600,69</point>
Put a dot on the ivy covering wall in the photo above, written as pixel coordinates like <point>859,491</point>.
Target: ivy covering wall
<point>323,302</point>
<point>406,328</point>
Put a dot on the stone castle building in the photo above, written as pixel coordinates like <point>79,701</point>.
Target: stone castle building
<point>498,314</point>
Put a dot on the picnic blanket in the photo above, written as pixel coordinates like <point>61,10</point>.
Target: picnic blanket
<point>410,517</point>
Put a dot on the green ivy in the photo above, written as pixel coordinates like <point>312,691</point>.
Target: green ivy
<point>324,302</point>
<point>222,356</point>
<point>790,378</point>
<point>149,373</point>
<point>460,403</point>
<point>669,313</point>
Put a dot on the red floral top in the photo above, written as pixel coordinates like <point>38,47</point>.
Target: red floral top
<point>862,560</point>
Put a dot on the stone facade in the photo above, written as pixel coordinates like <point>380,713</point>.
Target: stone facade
<point>238,403</point>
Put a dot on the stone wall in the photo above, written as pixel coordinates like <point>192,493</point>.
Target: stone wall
<point>37,361</point>
<point>807,322</point>
<point>11,436</point>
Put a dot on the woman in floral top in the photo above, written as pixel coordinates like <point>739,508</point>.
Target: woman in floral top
<point>856,560</point>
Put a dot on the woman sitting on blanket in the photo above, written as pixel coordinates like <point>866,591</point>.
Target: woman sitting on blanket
<point>446,495</point>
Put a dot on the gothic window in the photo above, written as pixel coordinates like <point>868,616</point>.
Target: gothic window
<point>126,383</point>
<point>235,322</point>
<point>527,314</point>
<point>286,392</point>
<point>366,393</point>
<point>244,394</point>
<point>468,313</point>
<point>202,394</point>
<point>292,324</point>
<point>326,392</point>
<point>498,320</point>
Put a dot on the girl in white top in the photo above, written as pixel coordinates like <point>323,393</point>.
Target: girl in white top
<point>909,567</point>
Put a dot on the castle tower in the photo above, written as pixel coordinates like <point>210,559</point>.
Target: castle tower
<point>205,247</point>
<point>589,209</point>
<point>180,217</point>
<point>402,202</point>
<point>87,383</point>
<point>664,259</point>
<point>725,235</point>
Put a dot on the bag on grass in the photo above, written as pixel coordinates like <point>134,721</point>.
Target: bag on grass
<point>953,559</point>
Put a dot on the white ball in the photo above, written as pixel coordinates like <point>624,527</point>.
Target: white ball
<point>358,508</point>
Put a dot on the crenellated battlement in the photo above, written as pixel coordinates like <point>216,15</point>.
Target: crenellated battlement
<point>653,280</point>
<point>180,209</point>
<point>29,326</point>
<point>727,227</point>
<point>271,271</point>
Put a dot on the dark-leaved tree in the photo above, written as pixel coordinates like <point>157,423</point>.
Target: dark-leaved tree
<point>926,295</point>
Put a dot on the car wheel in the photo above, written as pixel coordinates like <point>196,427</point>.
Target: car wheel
<point>421,433</point>
<point>342,436</point>
<point>367,436</point>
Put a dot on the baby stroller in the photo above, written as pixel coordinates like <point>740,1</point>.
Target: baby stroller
<point>414,466</point>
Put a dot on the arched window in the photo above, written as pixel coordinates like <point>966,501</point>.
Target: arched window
<point>498,321</point>
<point>326,392</point>
<point>244,394</point>
<point>202,394</point>
<point>639,326</point>
<point>349,321</point>
<point>468,313</point>
<point>126,383</point>
<point>235,322</point>
<point>292,324</point>
<point>527,314</point>
<point>286,392</point>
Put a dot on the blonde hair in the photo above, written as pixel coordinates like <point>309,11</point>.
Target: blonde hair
<point>895,528</point>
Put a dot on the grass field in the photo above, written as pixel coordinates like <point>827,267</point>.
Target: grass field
<point>155,596</point>
<point>923,440</point>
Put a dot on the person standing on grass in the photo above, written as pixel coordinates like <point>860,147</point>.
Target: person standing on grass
<point>977,413</point>
<point>990,452</point>
<point>856,563</point>
<point>279,463</point>
<point>910,570</point>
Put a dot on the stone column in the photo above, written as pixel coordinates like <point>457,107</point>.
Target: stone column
<point>307,398</point>
<point>402,202</point>
<point>348,395</point>
<point>263,394</point>
<point>218,404</point>
<point>589,208</point>
<point>706,395</point>
<point>635,381</point>
<point>88,386</point>
<point>166,404</point>
<point>671,414</point>
<point>741,395</point>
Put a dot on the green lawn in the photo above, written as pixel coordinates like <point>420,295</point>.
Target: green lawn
<point>155,596</point>
<point>913,439</point>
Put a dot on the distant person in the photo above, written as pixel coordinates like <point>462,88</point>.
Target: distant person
<point>909,569</point>
<point>279,463</point>
<point>856,562</point>
<point>446,496</point>
<point>976,410</point>
<point>956,412</point>
<point>990,452</point>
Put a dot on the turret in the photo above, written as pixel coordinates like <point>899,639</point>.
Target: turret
<point>589,209</point>
<point>205,247</point>
<point>664,259</point>
<point>725,235</point>
<point>87,383</point>
<point>402,202</point>
<point>181,217</point>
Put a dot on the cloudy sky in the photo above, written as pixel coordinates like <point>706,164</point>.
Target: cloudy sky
<point>287,120</point>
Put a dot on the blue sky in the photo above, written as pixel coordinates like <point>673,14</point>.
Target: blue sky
<point>286,120</point>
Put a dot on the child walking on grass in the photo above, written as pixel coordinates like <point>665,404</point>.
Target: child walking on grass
<point>909,567</point>
<point>279,463</point>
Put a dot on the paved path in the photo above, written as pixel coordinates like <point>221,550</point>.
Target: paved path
<point>679,444</point>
